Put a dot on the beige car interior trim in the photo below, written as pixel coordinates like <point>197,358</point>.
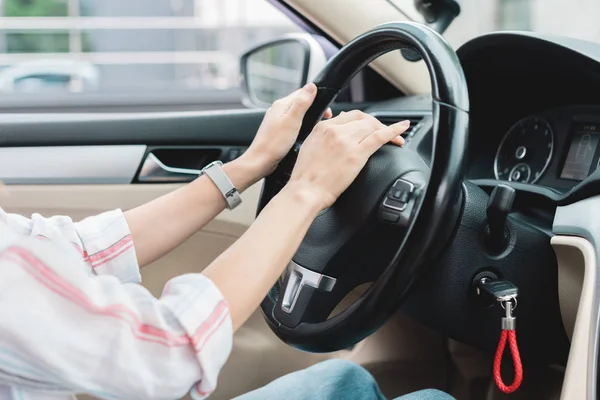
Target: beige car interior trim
<point>354,17</point>
<point>576,279</point>
<point>80,201</point>
<point>86,164</point>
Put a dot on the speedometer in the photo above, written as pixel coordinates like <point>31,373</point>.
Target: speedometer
<point>525,151</point>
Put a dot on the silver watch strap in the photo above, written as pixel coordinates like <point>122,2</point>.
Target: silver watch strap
<point>216,174</point>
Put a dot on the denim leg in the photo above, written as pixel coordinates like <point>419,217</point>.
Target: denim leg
<point>427,394</point>
<point>332,380</point>
<point>329,380</point>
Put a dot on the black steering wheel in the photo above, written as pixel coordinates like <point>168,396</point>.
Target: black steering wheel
<point>389,224</point>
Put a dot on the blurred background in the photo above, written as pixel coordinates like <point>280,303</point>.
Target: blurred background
<point>181,50</point>
<point>131,47</point>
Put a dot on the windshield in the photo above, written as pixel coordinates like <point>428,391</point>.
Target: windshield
<point>572,18</point>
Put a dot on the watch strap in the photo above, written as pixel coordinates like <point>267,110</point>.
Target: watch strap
<point>216,174</point>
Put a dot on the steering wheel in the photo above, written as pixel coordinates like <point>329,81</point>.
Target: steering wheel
<point>387,227</point>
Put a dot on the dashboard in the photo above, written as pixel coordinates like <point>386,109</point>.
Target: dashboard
<point>535,109</point>
<point>556,148</point>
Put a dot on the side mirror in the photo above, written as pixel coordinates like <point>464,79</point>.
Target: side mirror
<point>275,69</point>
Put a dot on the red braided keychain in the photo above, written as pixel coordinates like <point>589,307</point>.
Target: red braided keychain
<point>514,350</point>
<point>506,294</point>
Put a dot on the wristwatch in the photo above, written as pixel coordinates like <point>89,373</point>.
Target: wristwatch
<point>215,172</point>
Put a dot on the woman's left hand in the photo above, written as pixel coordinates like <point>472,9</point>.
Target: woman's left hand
<point>279,129</point>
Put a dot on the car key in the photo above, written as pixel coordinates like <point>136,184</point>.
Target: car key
<point>498,290</point>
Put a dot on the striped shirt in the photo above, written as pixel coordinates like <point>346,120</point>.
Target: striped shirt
<point>74,317</point>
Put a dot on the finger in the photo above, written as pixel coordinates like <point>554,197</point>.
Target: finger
<point>359,130</point>
<point>301,100</point>
<point>375,140</point>
<point>345,117</point>
<point>328,114</point>
<point>283,105</point>
<point>398,141</point>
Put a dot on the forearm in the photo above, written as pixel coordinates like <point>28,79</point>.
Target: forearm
<point>163,224</point>
<point>247,270</point>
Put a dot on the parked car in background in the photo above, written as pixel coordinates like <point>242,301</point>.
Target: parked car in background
<point>45,75</point>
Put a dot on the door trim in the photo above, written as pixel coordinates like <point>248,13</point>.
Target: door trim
<point>70,164</point>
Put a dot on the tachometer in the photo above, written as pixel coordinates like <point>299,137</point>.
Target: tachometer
<point>525,151</point>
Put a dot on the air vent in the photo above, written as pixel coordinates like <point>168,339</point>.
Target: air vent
<point>415,121</point>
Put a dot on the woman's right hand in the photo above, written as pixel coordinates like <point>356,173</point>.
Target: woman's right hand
<point>336,151</point>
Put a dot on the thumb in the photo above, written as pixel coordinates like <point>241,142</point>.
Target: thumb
<point>302,101</point>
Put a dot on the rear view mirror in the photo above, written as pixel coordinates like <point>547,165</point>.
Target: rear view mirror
<point>438,15</point>
<point>277,68</point>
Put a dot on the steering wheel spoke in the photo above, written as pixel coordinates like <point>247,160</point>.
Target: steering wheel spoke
<point>306,296</point>
<point>310,297</point>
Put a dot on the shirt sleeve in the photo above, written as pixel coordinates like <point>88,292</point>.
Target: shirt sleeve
<point>63,330</point>
<point>104,241</point>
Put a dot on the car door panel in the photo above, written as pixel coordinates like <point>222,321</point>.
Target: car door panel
<point>231,127</point>
<point>70,164</point>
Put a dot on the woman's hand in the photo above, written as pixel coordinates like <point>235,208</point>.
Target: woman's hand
<point>337,150</point>
<point>279,130</point>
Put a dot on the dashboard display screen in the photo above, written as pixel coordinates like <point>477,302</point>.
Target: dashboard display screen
<point>580,159</point>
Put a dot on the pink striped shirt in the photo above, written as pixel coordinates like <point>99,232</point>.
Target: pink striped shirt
<point>75,319</point>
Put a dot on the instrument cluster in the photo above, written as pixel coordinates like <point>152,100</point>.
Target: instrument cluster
<point>556,148</point>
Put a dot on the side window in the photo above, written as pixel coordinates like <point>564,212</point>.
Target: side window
<point>178,50</point>
<point>514,15</point>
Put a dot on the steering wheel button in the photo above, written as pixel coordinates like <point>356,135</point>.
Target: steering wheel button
<point>397,194</point>
<point>403,185</point>
<point>394,204</point>
<point>405,196</point>
<point>389,217</point>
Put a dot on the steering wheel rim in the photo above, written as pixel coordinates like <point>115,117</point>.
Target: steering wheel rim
<point>435,212</point>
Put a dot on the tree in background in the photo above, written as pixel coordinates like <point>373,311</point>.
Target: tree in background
<point>46,42</point>
<point>35,8</point>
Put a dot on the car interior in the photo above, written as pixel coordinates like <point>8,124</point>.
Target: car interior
<point>497,182</point>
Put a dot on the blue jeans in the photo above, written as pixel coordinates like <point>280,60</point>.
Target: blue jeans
<point>329,380</point>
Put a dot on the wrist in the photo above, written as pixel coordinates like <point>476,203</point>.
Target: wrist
<point>243,172</point>
<point>303,196</point>
<point>263,162</point>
